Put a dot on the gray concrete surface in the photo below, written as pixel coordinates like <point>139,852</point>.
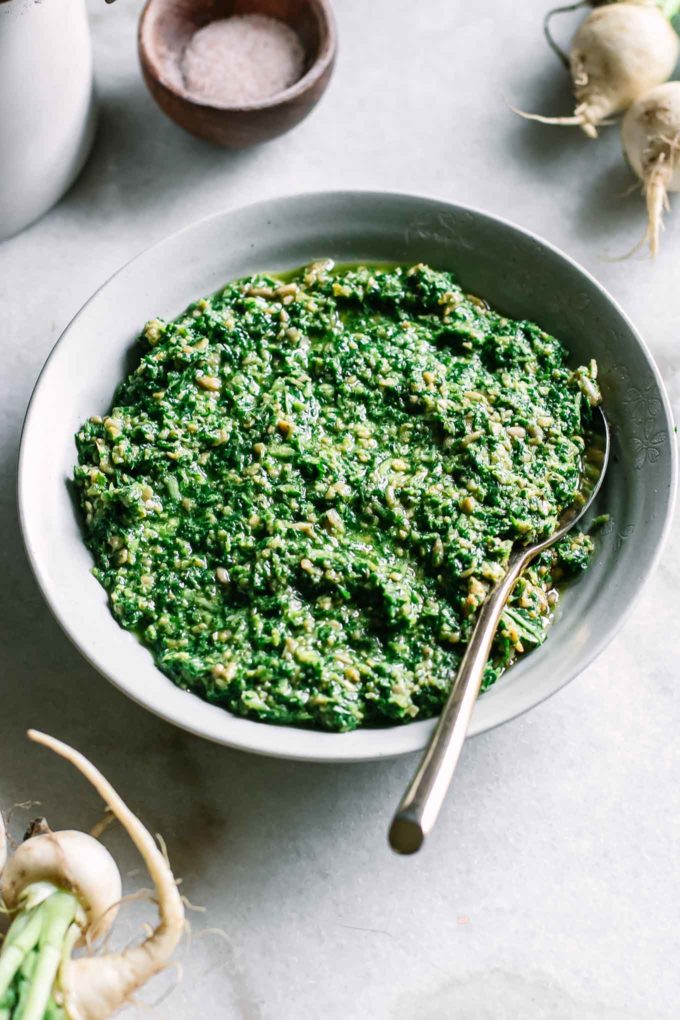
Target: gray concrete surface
<point>551,887</point>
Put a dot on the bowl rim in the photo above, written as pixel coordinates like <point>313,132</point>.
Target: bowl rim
<point>266,742</point>
<point>319,66</point>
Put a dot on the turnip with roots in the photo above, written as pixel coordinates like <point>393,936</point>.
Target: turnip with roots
<point>62,890</point>
<point>650,133</point>
<point>622,49</point>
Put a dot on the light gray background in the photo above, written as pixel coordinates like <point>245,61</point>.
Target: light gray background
<point>551,888</point>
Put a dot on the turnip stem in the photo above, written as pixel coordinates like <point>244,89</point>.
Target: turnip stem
<point>23,984</point>
<point>557,50</point>
<point>21,939</point>
<point>34,950</point>
<point>58,915</point>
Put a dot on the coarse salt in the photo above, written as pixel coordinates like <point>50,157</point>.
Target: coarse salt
<point>243,59</point>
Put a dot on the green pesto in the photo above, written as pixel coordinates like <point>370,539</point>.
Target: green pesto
<point>308,484</point>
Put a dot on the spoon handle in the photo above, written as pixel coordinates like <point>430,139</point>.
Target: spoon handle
<point>421,803</point>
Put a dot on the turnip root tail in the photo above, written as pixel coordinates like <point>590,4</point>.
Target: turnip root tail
<point>95,988</point>
<point>581,118</point>
<point>650,134</point>
<point>656,196</point>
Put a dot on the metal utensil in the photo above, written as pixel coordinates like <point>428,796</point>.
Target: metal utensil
<point>419,808</point>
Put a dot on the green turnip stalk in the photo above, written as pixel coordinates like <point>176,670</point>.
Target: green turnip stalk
<point>48,925</point>
<point>620,51</point>
<point>63,889</point>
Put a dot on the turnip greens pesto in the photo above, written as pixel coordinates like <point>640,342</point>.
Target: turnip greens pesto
<point>308,484</point>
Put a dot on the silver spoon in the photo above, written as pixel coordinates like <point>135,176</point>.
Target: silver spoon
<point>419,808</point>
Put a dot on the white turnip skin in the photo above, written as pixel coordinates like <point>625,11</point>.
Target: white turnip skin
<point>95,988</point>
<point>650,134</point>
<point>619,52</point>
<point>72,861</point>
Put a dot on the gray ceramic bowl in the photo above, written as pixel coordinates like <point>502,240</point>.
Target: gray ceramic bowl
<point>518,273</point>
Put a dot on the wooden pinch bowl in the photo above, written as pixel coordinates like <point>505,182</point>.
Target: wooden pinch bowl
<point>167,26</point>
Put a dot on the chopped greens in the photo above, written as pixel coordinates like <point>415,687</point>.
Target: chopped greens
<point>309,483</point>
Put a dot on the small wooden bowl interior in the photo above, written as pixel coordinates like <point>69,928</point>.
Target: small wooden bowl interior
<point>165,29</point>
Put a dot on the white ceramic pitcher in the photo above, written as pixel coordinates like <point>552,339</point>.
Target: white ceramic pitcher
<point>47,112</point>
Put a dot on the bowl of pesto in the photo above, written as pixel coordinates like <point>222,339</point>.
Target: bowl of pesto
<point>292,448</point>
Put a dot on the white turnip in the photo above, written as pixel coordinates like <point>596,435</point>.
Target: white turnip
<point>62,889</point>
<point>620,50</point>
<point>47,858</point>
<point>650,133</point>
